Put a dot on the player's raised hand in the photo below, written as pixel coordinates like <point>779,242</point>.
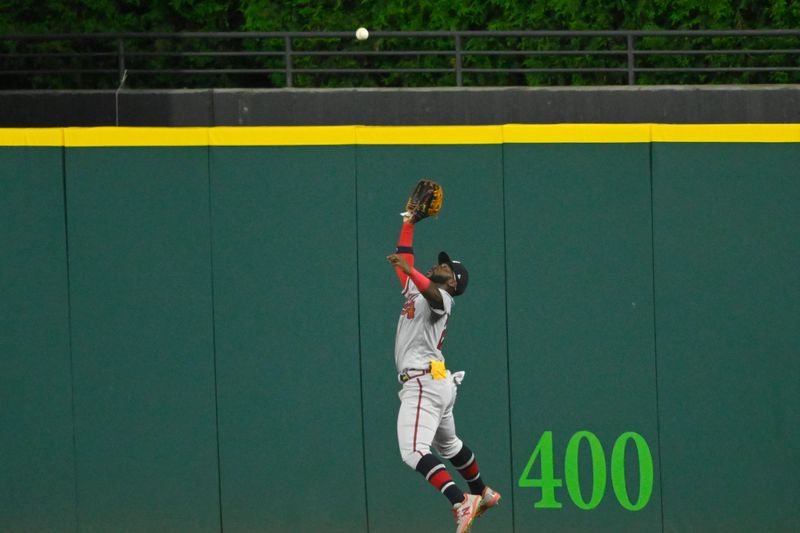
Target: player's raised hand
<point>425,201</point>
<point>396,261</point>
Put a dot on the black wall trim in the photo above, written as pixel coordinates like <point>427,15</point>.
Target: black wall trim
<point>456,106</point>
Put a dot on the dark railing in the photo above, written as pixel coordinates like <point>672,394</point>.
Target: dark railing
<point>394,58</point>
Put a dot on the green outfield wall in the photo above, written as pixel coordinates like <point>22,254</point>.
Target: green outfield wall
<point>197,326</point>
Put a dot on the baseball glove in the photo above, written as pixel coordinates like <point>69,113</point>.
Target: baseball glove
<point>425,201</point>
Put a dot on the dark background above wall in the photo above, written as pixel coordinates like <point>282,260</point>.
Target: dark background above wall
<point>304,107</point>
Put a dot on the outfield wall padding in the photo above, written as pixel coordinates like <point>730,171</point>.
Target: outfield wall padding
<point>198,326</point>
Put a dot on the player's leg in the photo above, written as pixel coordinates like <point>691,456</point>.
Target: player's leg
<point>417,422</point>
<point>452,448</point>
<point>464,461</point>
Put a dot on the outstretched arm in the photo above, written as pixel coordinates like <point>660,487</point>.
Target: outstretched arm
<point>405,248</point>
<point>426,288</point>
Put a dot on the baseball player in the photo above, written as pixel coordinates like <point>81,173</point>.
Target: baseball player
<point>428,392</point>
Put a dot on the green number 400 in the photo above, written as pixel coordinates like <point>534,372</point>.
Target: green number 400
<point>548,483</point>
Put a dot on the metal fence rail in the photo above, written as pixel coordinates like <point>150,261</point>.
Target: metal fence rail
<point>394,58</point>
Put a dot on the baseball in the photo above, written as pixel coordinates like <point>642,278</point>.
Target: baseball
<point>362,34</point>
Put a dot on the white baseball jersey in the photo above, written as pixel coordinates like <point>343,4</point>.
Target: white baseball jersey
<point>420,330</point>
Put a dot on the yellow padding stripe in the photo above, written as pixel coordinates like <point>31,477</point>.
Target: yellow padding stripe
<point>400,135</point>
<point>429,134</point>
<point>577,133</point>
<point>282,135</point>
<point>727,133</point>
<point>31,137</point>
<point>125,136</point>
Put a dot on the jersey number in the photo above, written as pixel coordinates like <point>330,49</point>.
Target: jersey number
<point>408,310</point>
<point>441,339</point>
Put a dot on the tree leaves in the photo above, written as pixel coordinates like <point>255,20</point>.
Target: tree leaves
<point>92,16</point>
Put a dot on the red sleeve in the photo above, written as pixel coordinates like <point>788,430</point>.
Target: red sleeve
<point>405,250</point>
<point>419,280</point>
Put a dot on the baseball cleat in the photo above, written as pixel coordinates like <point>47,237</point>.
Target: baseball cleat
<point>466,512</point>
<point>489,498</point>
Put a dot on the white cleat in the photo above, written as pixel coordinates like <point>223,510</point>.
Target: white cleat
<point>466,512</point>
<point>489,498</point>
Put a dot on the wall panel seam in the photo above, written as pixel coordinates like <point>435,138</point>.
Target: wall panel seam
<point>358,333</point>
<point>508,354</point>
<point>69,338</point>
<point>655,332</point>
<point>214,336</point>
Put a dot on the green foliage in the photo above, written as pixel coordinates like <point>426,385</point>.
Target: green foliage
<point>88,16</point>
<point>527,65</point>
